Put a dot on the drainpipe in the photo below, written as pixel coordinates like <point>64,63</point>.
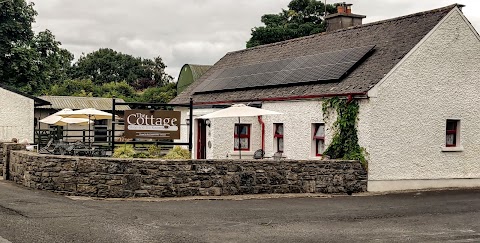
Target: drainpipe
<point>263,132</point>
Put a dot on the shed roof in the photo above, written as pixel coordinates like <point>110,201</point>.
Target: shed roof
<point>186,78</point>
<point>393,39</point>
<point>77,103</point>
<point>38,101</point>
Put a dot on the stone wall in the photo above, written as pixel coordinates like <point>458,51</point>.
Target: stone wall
<point>5,154</point>
<point>109,177</point>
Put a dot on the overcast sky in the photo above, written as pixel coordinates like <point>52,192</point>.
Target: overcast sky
<point>188,31</point>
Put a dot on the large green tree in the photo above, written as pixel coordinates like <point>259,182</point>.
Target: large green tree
<point>302,18</point>
<point>107,65</point>
<point>29,62</point>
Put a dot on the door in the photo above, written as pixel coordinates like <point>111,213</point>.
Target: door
<point>201,139</point>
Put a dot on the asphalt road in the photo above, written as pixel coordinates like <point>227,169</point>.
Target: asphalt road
<point>443,216</point>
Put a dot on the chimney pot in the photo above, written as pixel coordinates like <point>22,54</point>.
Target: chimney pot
<point>349,9</point>
<point>343,18</point>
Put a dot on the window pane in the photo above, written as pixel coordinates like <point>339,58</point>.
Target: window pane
<point>451,125</point>
<point>243,141</point>
<point>280,144</point>
<point>320,146</point>
<point>243,129</point>
<point>451,139</point>
<point>320,130</point>
<point>279,129</point>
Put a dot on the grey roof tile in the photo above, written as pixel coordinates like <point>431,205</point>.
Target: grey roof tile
<point>393,38</point>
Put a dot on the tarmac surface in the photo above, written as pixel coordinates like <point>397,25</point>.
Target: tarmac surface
<point>435,216</point>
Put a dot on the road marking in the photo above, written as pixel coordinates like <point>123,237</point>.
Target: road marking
<point>3,240</point>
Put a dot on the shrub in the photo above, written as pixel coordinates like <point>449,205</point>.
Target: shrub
<point>155,151</point>
<point>124,151</point>
<point>178,153</point>
<point>142,155</point>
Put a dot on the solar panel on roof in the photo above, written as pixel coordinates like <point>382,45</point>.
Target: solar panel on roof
<point>323,67</point>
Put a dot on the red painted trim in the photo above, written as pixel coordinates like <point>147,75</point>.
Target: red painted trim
<point>260,120</point>
<point>453,132</point>
<point>349,98</point>
<point>301,97</point>
<point>235,136</point>
<point>318,138</point>
<point>278,136</point>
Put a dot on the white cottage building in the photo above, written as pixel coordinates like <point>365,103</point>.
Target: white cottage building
<point>416,79</point>
<point>17,114</point>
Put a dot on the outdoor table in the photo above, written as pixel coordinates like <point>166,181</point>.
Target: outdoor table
<point>87,152</point>
<point>60,147</point>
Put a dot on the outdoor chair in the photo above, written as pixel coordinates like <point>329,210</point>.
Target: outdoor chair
<point>69,149</point>
<point>79,145</point>
<point>259,154</point>
<point>47,149</point>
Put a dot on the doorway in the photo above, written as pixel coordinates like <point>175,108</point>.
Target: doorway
<point>201,139</point>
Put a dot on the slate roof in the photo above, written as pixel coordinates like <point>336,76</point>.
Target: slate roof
<point>393,38</point>
<point>38,101</point>
<point>77,103</point>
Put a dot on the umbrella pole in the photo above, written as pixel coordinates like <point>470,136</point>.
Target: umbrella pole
<point>239,139</point>
<point>89,134</point>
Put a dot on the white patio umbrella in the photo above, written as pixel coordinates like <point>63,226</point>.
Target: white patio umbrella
<point>57,120</point>
<point>90,114</point>
<point>64,121</point>
<point>239,110</point>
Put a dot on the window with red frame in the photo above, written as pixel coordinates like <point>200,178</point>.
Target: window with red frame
<point>452,133</point>
<point>279,136</point>
<point>319,138</point>
<point>242,139</point>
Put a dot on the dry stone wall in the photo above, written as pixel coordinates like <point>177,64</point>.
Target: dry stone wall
<point>5,149</point>
<point>119,178</point>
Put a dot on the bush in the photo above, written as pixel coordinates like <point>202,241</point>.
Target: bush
<point>178,153</point>
<point>155,151</point>
<point>141,155</point>
<point>124,151</point>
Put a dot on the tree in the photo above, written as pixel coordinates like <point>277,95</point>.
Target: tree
<point>303,18</point>
<point>31,63</point>
<point>87,88</point>
<point>159,94</point>
<point>107,65</point>
<point>16,18</point>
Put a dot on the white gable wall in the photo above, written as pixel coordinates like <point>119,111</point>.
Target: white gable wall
<point>16,116</point>
<point>403,124</point>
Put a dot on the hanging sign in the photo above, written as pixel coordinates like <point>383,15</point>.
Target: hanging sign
<point>152,124</point>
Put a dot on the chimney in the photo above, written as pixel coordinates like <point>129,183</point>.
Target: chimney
<point>343,18</point>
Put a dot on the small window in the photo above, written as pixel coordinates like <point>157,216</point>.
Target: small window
<point>242,136</point>
<point>319,138</point>
<point>279,136</point>
<point>452,133</point>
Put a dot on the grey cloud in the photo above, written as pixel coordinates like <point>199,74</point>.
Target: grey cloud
<point>188,31</point>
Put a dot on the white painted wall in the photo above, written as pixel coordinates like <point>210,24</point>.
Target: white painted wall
<point>184,128</point>
<point>297,117</point>
<point>402,125</point>
<point>16,116</point>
